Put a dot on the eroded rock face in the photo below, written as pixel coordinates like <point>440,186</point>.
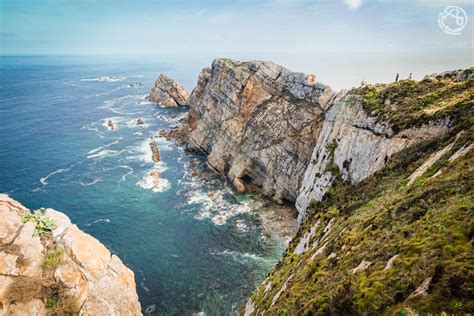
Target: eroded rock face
<point>258,122</point>
<point>87,280</point>
<point>168,92</point>
<point>354,145</point>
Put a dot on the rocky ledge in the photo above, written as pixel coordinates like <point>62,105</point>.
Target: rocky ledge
<point>168,92</point>
<point>49,266</point>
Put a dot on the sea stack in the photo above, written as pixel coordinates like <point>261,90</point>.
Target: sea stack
<point>168,92</point>
<point>154,149</point>
<point>110,124</point>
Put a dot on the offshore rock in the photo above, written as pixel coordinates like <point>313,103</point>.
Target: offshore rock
<point>154,150</point>
<point>168,92</point>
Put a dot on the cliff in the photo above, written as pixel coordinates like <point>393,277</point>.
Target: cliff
<point>168,92</point>
<point>388,230</point>
<point>364,127</point>
<point>258,123</point>
<point>381,176</point>
<point>50,267</point>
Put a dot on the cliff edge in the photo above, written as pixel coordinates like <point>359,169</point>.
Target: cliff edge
<point>49,266</point>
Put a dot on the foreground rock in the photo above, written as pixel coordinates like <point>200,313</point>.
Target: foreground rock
<point>64,271</point>
<point>258,122</point>
<point>168,92</point>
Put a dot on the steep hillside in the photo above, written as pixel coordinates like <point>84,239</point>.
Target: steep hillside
<point>364,127</point>
<point>399,241</point>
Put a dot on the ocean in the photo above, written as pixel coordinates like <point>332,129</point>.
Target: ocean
<point>193,244</point>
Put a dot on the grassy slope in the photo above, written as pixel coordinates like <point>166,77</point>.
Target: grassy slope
<point>428,224</point>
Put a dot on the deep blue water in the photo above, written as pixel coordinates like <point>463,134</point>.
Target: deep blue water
<point>193,248</point>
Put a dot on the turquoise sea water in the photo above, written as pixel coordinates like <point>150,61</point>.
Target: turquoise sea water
<point>193,247</point>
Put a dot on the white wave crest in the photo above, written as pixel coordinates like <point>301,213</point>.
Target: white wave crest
<point>148,182</point>
<point>105,153</point>
<point>100,220</point>
<point>130,171</point>
<point>215,207</point>
<point>94,181</point>
<point>242,256</point>
<point>93,151</point>
<point>104,78</point>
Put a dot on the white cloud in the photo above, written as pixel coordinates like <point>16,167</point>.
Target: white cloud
<point>353,4</point>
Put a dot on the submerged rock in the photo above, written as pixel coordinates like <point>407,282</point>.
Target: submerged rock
<point>65,268</point>
<point>110,124</point>
<point>168,92</point>
<point>155,174</point>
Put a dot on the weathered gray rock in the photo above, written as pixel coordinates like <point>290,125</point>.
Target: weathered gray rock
<point>168,92</point>
<point>356,144</point>
<point>97,282</point>
<point>258,122</point>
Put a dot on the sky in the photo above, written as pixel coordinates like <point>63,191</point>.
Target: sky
<point>342,41</point>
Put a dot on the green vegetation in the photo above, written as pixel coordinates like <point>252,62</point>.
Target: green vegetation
<point>52,259</point>
<point>52,292</point>
<point>410,103</point>
<point>50,303</point>
<point>425,228</point>
<point>42,222</point>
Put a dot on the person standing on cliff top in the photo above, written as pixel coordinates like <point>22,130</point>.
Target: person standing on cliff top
<point>396,78</point>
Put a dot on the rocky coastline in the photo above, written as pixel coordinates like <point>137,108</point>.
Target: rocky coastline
<point>295,141</point>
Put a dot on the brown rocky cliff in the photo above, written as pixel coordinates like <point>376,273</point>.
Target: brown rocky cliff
<point>258,122</point>
<point>65,271</point>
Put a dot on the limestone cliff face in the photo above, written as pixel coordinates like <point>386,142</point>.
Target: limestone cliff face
<point>63,271</point>
<point>168,92</point>
<point>258,122</point>
<point>393,233</point>
<point>354,145</point>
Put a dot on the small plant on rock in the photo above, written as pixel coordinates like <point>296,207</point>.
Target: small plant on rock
<point>42,222</point>
<point>52,259</point>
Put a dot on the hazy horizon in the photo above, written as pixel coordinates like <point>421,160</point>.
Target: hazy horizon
<point>341,42</point>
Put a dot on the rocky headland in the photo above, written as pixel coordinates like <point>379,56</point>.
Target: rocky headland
<point>50,267</point>
<point>168,92</point>
<point>343,159</point>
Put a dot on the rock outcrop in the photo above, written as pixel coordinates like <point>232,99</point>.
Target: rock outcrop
<point>61,271</point>
<point>155,151</point>
<point>353,145</point>
<point>388,230</point>
<point>168,92</point>
<point>258,123</point>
